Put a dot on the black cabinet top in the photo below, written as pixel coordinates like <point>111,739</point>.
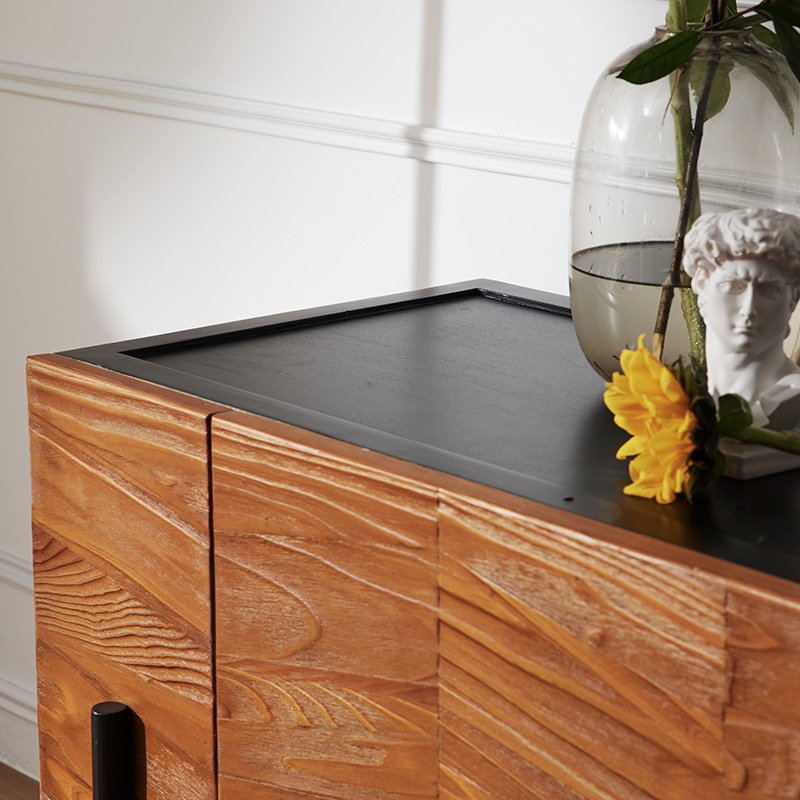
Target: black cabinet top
<point>481,380</point>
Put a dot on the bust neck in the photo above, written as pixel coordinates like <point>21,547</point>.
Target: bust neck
<point>744,374</point>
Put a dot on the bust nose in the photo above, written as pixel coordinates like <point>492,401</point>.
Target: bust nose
<point>747,307</point>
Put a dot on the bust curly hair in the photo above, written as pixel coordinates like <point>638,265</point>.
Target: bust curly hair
<point>744,233</point>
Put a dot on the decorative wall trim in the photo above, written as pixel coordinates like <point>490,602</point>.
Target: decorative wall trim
<point>529,159</point>
<point>15,571</point>
<point>18,700</point>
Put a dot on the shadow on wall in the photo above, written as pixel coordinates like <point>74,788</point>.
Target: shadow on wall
<point>50,301</point>
<point>42,219</point>
<point>45,304</point>
<point>57,172</point>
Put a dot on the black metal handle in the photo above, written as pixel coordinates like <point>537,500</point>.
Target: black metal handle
<point>113,757</point>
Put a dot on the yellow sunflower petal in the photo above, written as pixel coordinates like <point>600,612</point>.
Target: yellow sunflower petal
<point>648,402</point>
<point>651,480</point>
<point>634,446</point>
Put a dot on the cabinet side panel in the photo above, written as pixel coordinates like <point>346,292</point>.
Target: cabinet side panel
<point>762,723</point>
<point>121,575</point>
<point>326,581</point>
<point>575,669</point>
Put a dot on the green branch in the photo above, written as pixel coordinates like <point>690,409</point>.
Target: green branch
<point>787,441</point>
<point>688,138</point>
<point>688,20</point>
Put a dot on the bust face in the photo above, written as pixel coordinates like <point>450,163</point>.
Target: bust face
<point>747,304</point>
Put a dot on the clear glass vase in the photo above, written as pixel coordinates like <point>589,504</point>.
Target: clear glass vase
<point>629,172</point>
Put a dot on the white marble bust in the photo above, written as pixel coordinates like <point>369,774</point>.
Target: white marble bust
<point>745,269</point>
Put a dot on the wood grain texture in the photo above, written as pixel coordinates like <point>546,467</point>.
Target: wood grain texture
<point>382,632</point>
<point>573,670</point>
<point>762,725</point>
<point>329,733</point>
<point>326,576</point>
<point>121,574</point>
<point>110,455</point>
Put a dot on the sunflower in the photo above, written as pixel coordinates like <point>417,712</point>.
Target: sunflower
<point>672,422</point>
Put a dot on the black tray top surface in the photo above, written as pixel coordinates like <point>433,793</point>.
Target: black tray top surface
<point>481,380</point>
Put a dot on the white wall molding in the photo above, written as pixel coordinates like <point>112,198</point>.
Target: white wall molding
<point>15,571</point>
<point>541,160</point>
<point>15,699</point>
<point>18,700</point>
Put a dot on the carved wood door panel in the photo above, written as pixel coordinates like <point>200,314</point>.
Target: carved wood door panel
<point>121,575</point>
<point>326,620</point>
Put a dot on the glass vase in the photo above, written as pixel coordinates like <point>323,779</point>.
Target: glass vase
<point>629,175</point>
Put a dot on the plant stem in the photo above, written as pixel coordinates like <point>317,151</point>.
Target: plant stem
<point>690,208</point>
<point>676,15</point>
<point>786,441</point>
<point>753,12</point>
<point>694,324</point>
<point>680,107</point>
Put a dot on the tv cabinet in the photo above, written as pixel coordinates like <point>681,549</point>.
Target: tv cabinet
<point>380,551</point>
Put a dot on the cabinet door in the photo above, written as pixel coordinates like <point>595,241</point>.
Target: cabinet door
<point>121,575</point>
<point>762,721</point>
<point>326,619</point>
<point>572,669</point>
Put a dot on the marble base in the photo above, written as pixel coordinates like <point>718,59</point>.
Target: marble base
<point>746,461</point>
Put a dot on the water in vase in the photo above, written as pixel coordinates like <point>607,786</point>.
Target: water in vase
<point>615,292</point>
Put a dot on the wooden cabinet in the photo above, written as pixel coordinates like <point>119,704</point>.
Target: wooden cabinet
<point>122,574</point>
<point>291,613</point>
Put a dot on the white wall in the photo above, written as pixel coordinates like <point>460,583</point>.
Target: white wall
<point>172,163</point>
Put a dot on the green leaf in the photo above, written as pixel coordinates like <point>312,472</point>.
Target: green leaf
<point>706,412</point>
<point>789,40</point>
<point>751,21</point>
<point>785,16</point>
<point>696,10</point>
<point>765,35</point>
<point>701,473</point>
<point>786,10</point>
<point>661,59</point>
<point>782,91</point>
<point>720,86</point>
<point>734,414</point>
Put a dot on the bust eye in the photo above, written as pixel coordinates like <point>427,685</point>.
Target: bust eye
<point>732,286</point>
<point>772,291</point>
